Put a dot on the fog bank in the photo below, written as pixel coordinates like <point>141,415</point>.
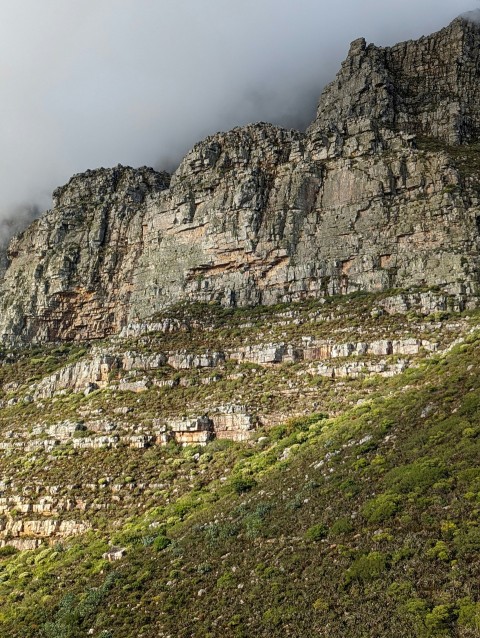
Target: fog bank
<point>99,82</point>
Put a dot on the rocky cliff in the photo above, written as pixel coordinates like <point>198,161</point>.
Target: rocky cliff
<point>379,193</point>
<point>85,429</point>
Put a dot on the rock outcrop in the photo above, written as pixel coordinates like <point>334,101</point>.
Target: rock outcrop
<point>429,87</point>
<point>89,435</point>
<point>364,201</point>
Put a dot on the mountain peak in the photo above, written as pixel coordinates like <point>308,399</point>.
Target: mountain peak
<point>261,215</point>
<point>428,87</point>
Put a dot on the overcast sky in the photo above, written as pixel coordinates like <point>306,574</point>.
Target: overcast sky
<point>89,83</point>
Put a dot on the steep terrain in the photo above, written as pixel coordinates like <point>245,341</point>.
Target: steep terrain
<point>133,503</point>
<point>244,399</point>
<point>201,374</point>
<point>378,194</point>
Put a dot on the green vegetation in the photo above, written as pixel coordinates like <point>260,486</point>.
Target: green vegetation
<point>366,522</point>
<point>316,532</point>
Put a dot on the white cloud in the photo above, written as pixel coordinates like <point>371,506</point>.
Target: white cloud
<point>86,83</point>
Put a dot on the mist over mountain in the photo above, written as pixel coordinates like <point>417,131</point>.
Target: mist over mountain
<point>242,399</point>
<point>95,83</point>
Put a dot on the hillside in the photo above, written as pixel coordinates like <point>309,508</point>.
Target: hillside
<point>380,462</point>
<point>244,399</point>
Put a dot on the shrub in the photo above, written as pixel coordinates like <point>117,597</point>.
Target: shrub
<point>278,616</point>
<point>217,531</point>
<point>254,522</point>
<point>73,611</point>
<point>161,542</point>
<point>468,613</point>
<point>218,445</point>
<point>381,508</point>
<point>321,605</point>
<point>467,540</point>
<point>185,504</point>
<point>350,488</point>
<point>8,550</point>
<point>341,526</point>
<point>367,567</point>
<point>316,532</point>
<point>242,484</point>
<point>399,589</point>
<point>441,617</point>
<point>204,568</point>
<point>278,432</point>
<point>404,553</point>
<point>448,529</point>
<point>439,551</point>
<point>416,607</point>
<point>226,581</point>
<point>418,476</point>
<point>147,541</point>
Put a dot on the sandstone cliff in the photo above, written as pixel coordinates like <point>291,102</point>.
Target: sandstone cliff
<point>379,193</point>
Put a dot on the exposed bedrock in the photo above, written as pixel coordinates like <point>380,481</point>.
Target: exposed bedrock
<point>260,214</point>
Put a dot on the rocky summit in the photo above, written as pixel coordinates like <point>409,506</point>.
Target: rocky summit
<point>378,193</point>
<point>244,399</point>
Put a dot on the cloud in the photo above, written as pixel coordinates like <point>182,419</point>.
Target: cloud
<point>473,16</point>
<point>88,83</point>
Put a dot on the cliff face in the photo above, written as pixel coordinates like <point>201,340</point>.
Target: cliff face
<point>70,270</point>
<point>429,87</point>
<point>380,193</point>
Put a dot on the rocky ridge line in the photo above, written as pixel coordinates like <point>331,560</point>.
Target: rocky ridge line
<point>259,215</point>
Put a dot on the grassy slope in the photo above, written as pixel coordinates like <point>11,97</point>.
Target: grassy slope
<point>370,527</point>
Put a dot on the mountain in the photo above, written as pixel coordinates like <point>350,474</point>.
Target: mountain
<point>244,399</point>
<point>379,193</point>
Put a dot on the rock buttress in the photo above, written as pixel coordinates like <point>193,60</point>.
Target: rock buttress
<point>261,215</point>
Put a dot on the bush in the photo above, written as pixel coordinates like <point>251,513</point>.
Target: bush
<point>441,617</point>
<point>341,526</point>
<point>8,550</point>
<point>254,522</point>
<point>468,613</point>
<point>161,542</point>
<point>73,611</point>
<point>226,581</point>
<point>399,589</point>
<point>278,616</point>
<point>381,508</point>
<point>418,476</point>
<point>185,504</point>
<point>367,567</point>
<point>439,551</point>
<point>278,432</point>
<point>316,532</point>
<point>321,605</point>
<point>467,540</point>
<point>241,484</point>
<point>218,445</point>
<point>448,529</point>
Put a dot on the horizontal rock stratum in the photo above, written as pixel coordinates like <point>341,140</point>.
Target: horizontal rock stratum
<point>379,193</point>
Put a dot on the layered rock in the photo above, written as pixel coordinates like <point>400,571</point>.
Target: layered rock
<point>429,87</point>
<point>71,463</point>
<point>70,270</point>
<point>260,215</point>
